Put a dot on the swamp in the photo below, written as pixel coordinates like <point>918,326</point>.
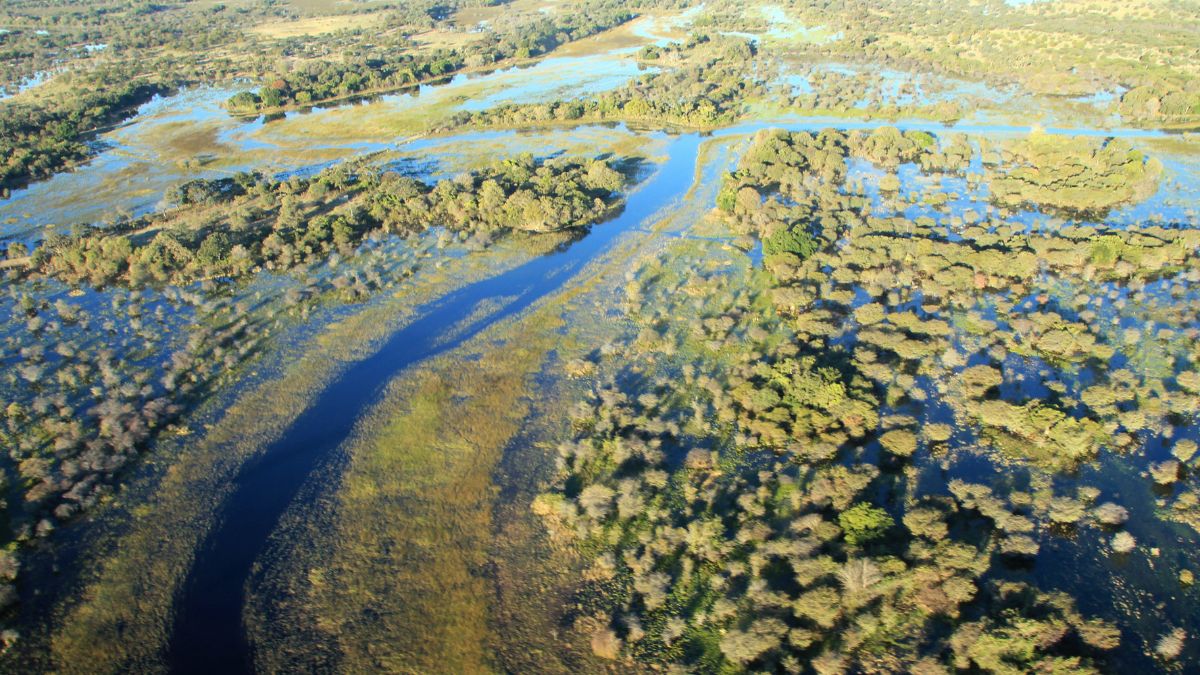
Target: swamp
<point>600,336</point>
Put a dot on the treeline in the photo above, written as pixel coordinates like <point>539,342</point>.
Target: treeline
<point>249,223</point>
<point>710,92</point>
<point>38,140</point>
<point>383,69</point>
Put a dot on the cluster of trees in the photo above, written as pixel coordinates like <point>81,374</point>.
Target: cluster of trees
<point>728,507</point>
<point>763,196</point>
<point>40,139</point>
<point>778,188</point>
<point>835,91</point>
<point>1074,174</point>
<point>711,561</point>
<point>711,91</point>
<point>233,227</point>
<point>85,391</point>
<point>1048,49</point>
<point>45,35</point>
<point>1160,103</point>
<point>106,58</point>
<point>94,377</point>
<point>384,68</point>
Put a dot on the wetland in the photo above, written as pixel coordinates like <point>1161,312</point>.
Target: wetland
<point>600,336</point>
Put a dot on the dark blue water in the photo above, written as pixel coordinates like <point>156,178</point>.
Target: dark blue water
<point>208,635</point>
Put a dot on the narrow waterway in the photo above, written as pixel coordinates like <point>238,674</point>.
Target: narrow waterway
<point>209,636</point>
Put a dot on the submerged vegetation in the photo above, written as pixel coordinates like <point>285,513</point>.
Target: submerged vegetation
<point>81,411</point>
<point>37,141</point>
<point>733,512</point>
<point>599,336</point>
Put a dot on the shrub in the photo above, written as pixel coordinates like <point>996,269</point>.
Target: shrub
<point>795,241</point>
<point>596,500</point>
<point>1165,473</point>
<point>938,432</point>
<point>1123,542</point>
<point>606,644</point>
<point>1111,514</point>
<point>899,442</point>
<point>1184,450</point>
<point>863,523</point>
<point>1171,644</point>
<point>743,646</point>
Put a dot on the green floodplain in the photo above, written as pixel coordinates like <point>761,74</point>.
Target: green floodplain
<point>600,336</point>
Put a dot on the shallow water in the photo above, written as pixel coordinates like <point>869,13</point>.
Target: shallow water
<point>171,139</point>
<point>36,80</point>
<point>784,27</point>
<point>208,633</point>
<point>188,135</point>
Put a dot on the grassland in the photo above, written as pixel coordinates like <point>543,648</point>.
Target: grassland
<point>315,25</point>
<point>404,591</point>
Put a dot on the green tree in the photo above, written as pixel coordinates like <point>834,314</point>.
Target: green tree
<point>794,240</point>
<point>863,523</point>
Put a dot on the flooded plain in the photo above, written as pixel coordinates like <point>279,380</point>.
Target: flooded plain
<point>339,410</point>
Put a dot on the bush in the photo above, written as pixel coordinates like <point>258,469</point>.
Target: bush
<point>1123,542</point>
<point>1111,514</point>
<point>863,523</point>
<point>899,442</point>
<point>795,241</point>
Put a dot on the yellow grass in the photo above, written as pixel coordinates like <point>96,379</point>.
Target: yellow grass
<point>403,592</point>
<point>445,39</point>
<point>317,25</point>
<point>621,37</point>
<point>186,139</point>
<point>318,7</point>
<point>469,17</point>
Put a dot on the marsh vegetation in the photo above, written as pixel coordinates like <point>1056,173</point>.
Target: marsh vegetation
<point>472,336</point>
